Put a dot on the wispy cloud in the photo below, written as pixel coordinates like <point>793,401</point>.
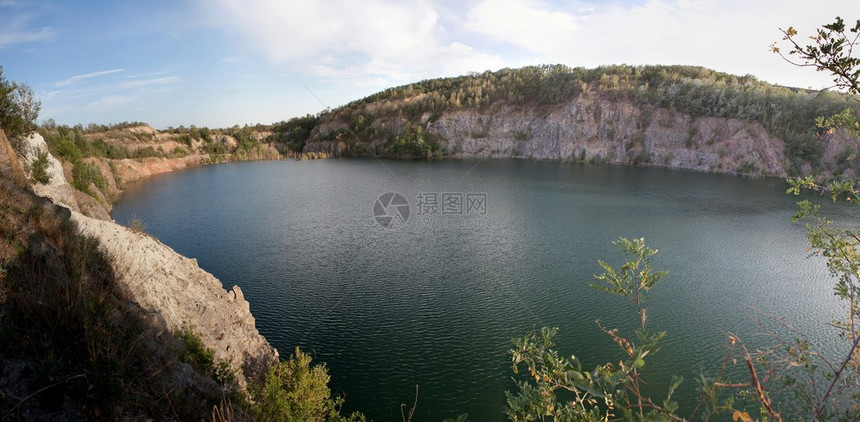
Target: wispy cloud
<point>18,31</point>
<point>106,97</point>
<point>147,83</point>
<point>78,78</point>
<point>124,87</point>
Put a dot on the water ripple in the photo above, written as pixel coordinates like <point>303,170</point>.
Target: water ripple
<point>436,305</point>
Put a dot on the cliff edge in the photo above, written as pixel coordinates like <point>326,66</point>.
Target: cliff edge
<point>679,117</point>
<point>176,293</point>
<point>173,290</point>
<point>130,280</point>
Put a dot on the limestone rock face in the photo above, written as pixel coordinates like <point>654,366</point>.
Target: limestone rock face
<point>175,292</point>
<point>618,132</point>
<point>595,128</point>
<point>58,189</point>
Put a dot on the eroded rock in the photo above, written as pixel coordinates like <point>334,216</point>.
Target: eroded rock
<point>176,293</point>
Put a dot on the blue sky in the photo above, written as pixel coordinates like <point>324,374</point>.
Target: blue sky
<point>222,62</point>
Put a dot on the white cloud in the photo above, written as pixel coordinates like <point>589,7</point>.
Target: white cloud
<point>78,78</point>
<point>346,49</point>
<point>364,42</point>
<point>731,36</point>
<point>349,40</point>
<point>528,24</point>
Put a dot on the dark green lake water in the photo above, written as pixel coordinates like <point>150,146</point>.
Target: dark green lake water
<point>436,301</point>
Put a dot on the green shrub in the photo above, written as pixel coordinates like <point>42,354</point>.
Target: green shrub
<point>67,149</point>
<point>214,148</point>
<point>203,359</point>
<point>294,133</point>
<point>296,391</point>
<point>184,139</point>
<point>117,179</point>
<point>86,173</point>
<point>413,143</point>
<point>146,152</point>
<point>562,388</point>
<point>39,168</point>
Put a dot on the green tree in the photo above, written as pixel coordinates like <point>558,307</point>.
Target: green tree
<point>19,109</point>
<point>828,382</point>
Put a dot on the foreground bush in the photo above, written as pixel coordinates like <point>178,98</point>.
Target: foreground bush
<point>296,391</point>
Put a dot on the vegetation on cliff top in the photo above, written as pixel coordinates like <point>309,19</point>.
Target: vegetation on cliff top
<point>393,122</point>
<point>789,113</point>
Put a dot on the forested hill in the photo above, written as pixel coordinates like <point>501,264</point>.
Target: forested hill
<point>674,116</point>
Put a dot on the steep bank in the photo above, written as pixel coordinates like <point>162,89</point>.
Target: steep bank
<point>176,293</point>
<point>172,289</point>
<point>134,304</point>
<point>669,116</point>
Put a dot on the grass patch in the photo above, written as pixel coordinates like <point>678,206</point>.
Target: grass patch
<point>137,225</point>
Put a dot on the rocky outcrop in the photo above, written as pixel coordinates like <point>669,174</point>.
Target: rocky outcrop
<point>9,165</point>
<point>58,188</point>
<point>131,170</point>
<point>597,130</point>
<point>172,290</point>
<point>176,293</point>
